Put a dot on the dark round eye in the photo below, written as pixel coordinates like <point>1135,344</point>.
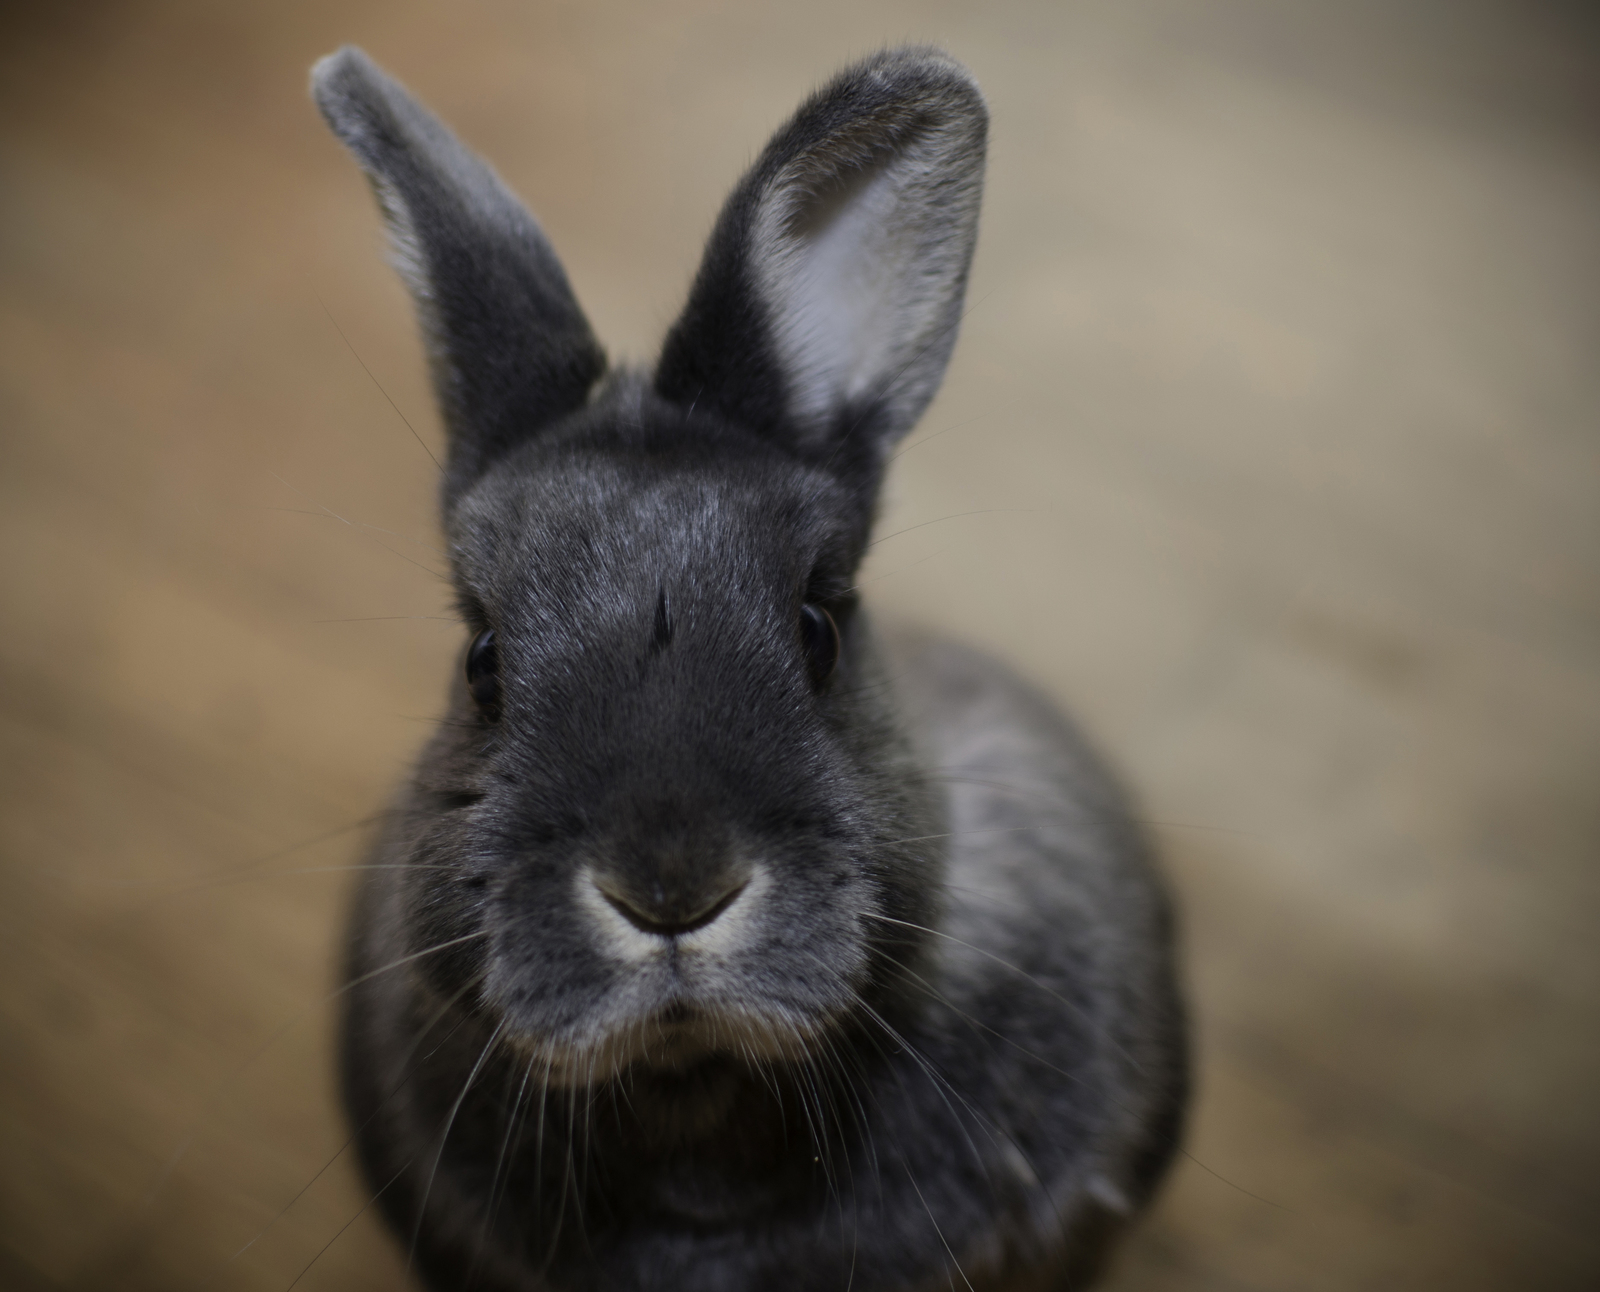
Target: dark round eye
<point>483,673</point>
<point>820,635</point>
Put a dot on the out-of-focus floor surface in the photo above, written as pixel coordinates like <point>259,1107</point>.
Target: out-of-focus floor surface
<point>1271,447</point>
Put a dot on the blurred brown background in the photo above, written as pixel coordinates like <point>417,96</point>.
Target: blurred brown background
<point>1271,447</point>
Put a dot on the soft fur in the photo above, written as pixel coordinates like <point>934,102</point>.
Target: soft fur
<point>685,964</point>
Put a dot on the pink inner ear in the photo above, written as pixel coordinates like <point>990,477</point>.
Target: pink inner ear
<point>863,272</point>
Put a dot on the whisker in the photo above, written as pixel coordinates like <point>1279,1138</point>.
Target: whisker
<point>325,514</point>
<point>1075,1078</point>
<point>182,1151</point>
<point>377,383</point>
<point>321,870</point>
<point>450,1121</point>
<point>939,520</point>
<point>899,569</point>
<point>941,1084</point>
<point>365,1207</point>
<point>403,960</point>
<point>1217,1175</point>
<point>226,881</point>
<point>538,1154</point>
<point>513,1128</point>
<point>587,1157</point>
<point>409,1071</point>
<point>917,444</point>
<point>1006,964</point>
<point>1151,822</point>
<point>812,1126</point>
<point>226,872</point>
<point>377,619</point>
<point>962,834</point>
<point>1011,907</point>
<point>328,511</point>
<point>940,1232</point>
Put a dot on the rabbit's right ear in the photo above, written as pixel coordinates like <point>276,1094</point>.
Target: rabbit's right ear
<point>828,300</point>
<point>511,350</point>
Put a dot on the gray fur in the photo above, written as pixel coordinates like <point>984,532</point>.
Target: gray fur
<point>686,962</point>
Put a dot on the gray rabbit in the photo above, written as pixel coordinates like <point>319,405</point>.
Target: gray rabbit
<point>715,944</point>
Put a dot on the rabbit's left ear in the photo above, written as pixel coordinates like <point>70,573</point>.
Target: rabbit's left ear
<point>511,350</point>
<point>827,304</point>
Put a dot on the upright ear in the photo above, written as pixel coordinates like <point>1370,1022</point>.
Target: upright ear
<point>511,350</point>
<point>828,301</point>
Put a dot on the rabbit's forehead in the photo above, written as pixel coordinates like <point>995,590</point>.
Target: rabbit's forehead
<point>589,531</point>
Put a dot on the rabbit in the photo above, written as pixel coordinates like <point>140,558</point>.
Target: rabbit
<point>715,942</point>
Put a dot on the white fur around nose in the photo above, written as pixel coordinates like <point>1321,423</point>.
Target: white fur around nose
<point>623,941</point>
<point>616,936</point>
<point>733,930</point>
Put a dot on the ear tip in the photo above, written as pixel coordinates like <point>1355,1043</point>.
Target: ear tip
<point>928,65</point>
<point>910,75</point>
<point>329,70</point>
<point>928,58</point>
<point>343,80</point>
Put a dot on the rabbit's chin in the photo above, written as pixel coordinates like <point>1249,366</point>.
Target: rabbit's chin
<point>671,1042</point>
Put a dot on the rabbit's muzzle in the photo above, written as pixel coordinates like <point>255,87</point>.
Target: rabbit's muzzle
<point>657,913</point>
<point>666,879</point>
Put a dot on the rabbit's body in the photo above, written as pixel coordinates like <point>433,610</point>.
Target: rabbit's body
<point>712,946</point>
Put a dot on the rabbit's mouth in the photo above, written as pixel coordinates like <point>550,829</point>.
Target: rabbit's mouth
<point>672,1040</point>
<point>728,979</point>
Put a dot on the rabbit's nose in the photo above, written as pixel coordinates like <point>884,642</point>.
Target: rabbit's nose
<point>667,915</point>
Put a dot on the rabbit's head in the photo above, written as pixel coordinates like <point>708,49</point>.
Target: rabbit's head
<point>670,813</point>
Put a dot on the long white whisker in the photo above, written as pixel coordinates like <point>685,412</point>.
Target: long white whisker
<point>364,1209</point>
<point>243,868</point>
<point>183,1149</point>
<point>1030,796</point>
<point>408,1070</point>
<point>939,1231</point>
<point>1021,973</point>
<point>427,1192</point>
<point>361,528</point>
<point>1073,1077</point>
<point>941,1084</point>
<point>414,435</point>
<point>513,1128</point>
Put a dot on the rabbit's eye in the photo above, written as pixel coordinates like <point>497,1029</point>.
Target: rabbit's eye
<point>821,638</point>
<point>483,673</point>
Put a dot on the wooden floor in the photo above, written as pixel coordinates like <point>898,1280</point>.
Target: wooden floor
<point>1272,447</point>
